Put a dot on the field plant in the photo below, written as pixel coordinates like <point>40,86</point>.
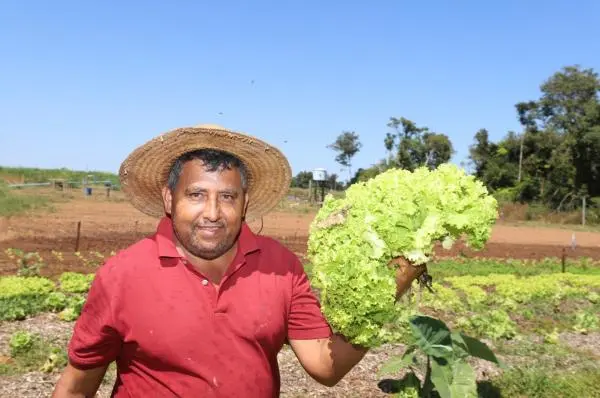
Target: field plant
<point>442,356</point>
<point>31,352</point>
<point>28,263</point>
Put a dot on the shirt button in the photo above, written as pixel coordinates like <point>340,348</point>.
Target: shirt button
<point>204,282</point>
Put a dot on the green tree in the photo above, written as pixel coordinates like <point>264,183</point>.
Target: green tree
<point>302,179</point>
<point>332,181</point>
<point>347,144</point>
<point>570,106</point>
<point>557,155</point>
<point>417,146</point>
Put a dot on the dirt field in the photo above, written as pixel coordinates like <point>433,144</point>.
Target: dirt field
<point>112,224</point>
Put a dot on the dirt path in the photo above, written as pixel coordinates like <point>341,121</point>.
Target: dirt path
<point>113,224</point>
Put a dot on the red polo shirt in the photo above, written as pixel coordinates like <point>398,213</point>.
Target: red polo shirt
<point>172,333</point>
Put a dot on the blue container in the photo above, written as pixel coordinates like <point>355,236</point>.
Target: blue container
<point>88,191</point>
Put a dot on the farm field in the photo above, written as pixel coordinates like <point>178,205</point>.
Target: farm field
<point>110,224</point>
<point>542,323</point>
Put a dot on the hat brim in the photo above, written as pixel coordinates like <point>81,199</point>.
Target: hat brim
<point>144,173</point>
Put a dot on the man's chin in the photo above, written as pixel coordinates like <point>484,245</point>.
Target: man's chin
<point>208,253</point>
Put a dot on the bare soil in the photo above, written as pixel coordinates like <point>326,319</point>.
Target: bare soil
<point>111,224</point>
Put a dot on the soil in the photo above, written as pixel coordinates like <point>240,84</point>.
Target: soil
<point>111,224</point>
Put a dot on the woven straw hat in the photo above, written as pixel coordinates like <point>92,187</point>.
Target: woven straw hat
<point>145,171</point>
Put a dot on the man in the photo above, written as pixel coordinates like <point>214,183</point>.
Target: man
<point>202,307</point>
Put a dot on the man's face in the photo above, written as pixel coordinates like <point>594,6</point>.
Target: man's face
<point>207,209</point>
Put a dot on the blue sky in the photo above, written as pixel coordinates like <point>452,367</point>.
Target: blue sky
<point>84,83</point>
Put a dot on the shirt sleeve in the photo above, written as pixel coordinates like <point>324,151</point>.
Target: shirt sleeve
<point>95,341</point>
<point>305,320</point>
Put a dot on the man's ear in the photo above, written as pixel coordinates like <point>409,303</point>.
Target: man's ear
<point>167,196</point>
<point>245,205</point>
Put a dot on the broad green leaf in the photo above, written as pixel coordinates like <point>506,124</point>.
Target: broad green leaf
<point>432,335</point>
<point>441,377</point>
<point>464,384</point>
<point>397,363</point>
<point>474,347</point>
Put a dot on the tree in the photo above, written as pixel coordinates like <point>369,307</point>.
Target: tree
<point>481,152</point>
<point>347,145</point>
<point>570,107</point>
<point>332,181</point>
<point>557,155</point>
<point>302,179</point>
<point>417,146</point>
<point>388,142</point>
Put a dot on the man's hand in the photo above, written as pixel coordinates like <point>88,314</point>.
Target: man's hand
<point>79,383</point>
<point>406,273</point>
<point>327,360</point>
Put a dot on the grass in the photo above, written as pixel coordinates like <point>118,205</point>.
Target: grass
<point>30,174</point>
<point>541,383</point>
<point>13,203</point>
<point>31,352</point>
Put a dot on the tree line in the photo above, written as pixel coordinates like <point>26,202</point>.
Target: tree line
<point>554,159</point>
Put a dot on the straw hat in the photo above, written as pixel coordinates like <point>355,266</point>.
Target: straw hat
<point>145,171</point>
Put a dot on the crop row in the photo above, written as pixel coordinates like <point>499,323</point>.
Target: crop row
<point>503,305</point>
<point>493,306</point>
<point>21,297</point>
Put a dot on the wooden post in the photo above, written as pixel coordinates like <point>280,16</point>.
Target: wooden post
<point>563,260</point>
<point>583,212</point>
<point>310,191</point>
<point>78,236</point>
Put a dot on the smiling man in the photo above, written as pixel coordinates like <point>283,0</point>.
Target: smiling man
<point>202,307</point>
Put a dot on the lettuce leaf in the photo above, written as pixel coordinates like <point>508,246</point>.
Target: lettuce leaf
<point>397,213</point>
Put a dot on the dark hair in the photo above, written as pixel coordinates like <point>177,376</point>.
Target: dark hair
<point>213,160</point>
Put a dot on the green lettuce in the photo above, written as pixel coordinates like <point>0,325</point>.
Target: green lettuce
<point>396,214</point>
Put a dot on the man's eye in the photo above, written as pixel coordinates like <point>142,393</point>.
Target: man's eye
<point>195,194</point>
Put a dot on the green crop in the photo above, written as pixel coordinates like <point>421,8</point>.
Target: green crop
<point>396,214</point>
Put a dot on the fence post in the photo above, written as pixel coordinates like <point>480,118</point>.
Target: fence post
<point>583,211</point>
<point>78,235</point>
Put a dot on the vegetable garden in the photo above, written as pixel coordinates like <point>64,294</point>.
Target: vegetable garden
<point>541,325</point>
<point>493,327</point>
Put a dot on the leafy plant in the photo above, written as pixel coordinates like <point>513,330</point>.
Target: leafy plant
<point>495,324</point>
<point>73,282</point>
<point>21,342</point>
<point>73,308</point>
<point>28,263</point>
<point>396,214</point>
<point>57,359</point>
<point>20,296</point>
<point>442,356</point>
<point>56,301</point>
<point>586,322</point>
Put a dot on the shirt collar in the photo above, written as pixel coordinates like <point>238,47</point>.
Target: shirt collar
<point>247,242</point>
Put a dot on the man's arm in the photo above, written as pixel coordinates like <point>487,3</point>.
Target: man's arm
<point>78,383</point>
<point>95,343</point>
<point>327,360</point>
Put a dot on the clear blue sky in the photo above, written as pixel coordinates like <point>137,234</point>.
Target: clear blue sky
<point>83,83</point>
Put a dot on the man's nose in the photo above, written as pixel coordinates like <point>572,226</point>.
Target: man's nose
<point>211,210</point>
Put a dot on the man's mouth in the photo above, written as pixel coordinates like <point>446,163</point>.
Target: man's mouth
<point>209,229</point>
